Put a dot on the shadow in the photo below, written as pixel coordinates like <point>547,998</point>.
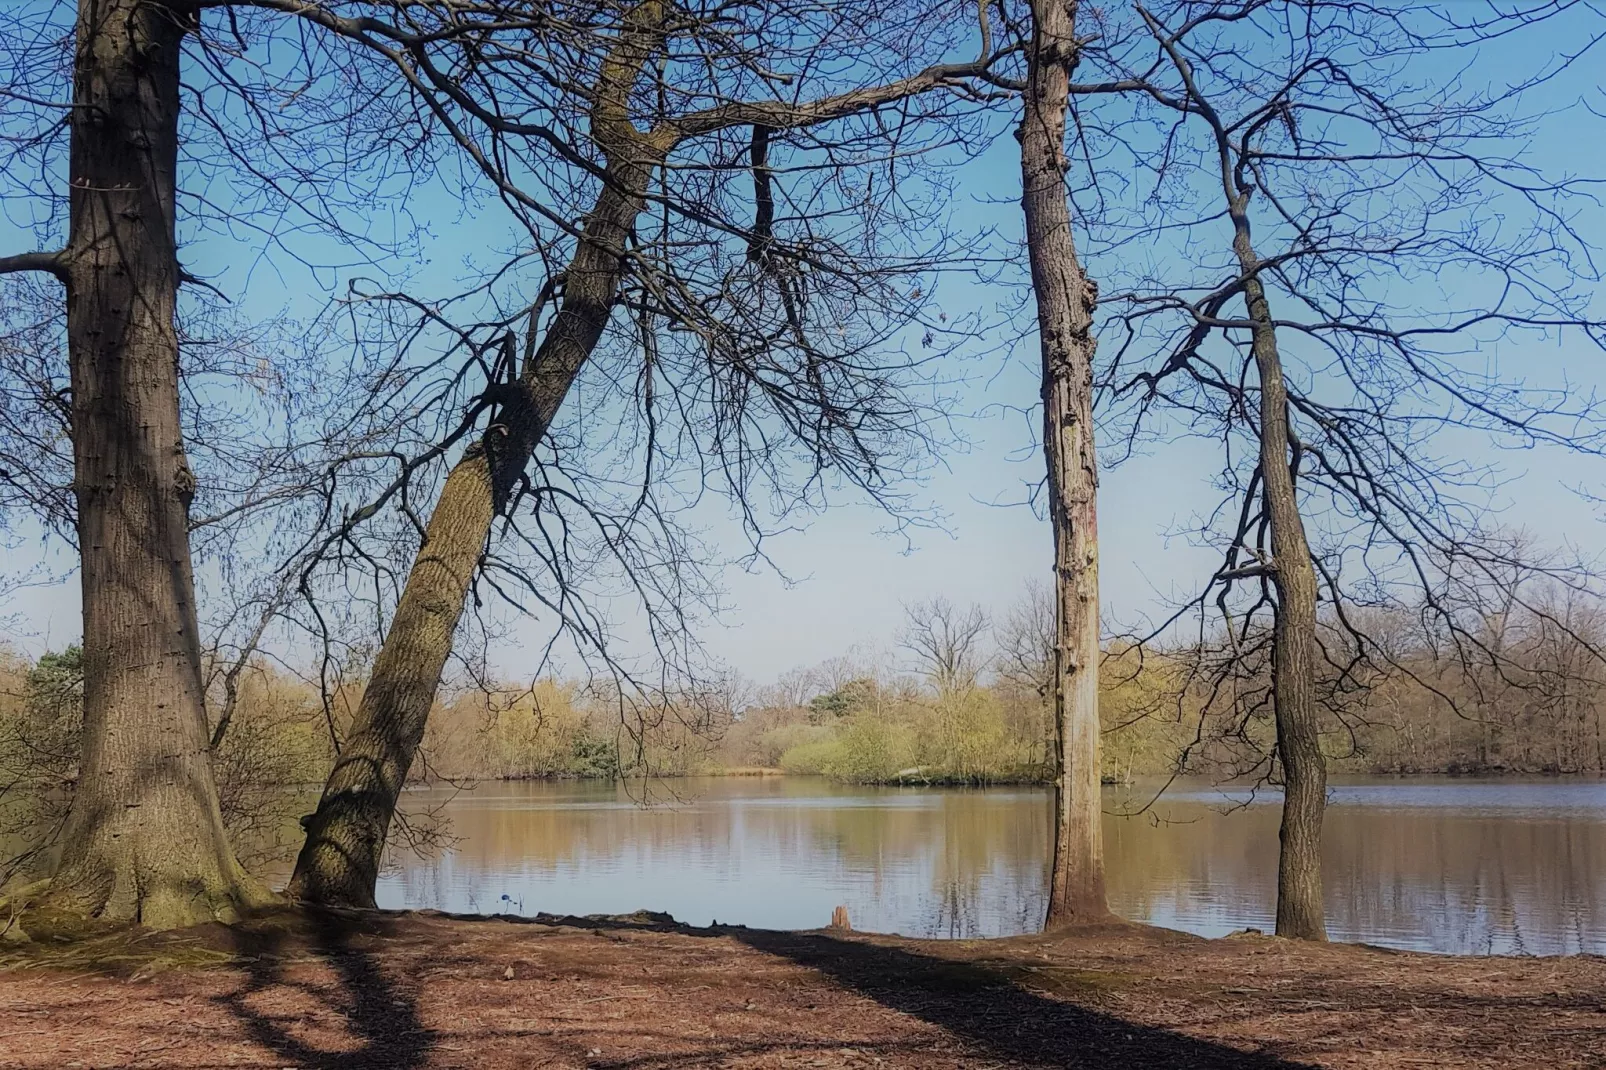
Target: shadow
<point>982,1006</point>
<point>378,1013</point>
<point>994,1014</point>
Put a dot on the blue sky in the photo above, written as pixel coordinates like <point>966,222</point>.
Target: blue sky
<point>851,578</point>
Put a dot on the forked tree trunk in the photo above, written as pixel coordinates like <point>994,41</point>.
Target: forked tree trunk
<point>339,861</point>
<point>1065,301</point>
<point>1294,643</point>
<point>144,841</point>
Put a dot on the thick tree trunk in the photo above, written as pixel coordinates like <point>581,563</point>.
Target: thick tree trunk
<point>339,861</point>
<point>1294,644</point>
<point>1065,301</point>
<point>144,841</point>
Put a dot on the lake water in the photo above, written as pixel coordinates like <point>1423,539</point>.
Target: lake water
<point>1466,867</point>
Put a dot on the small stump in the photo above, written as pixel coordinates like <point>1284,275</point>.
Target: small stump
<point>839,920</point>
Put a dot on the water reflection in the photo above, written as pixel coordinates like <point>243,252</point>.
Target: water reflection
<point>1447,866</point>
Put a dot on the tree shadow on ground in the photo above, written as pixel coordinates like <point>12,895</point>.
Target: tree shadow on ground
<point>982,1006</point>
<point>380,1015</point>
<point>992,1013</point>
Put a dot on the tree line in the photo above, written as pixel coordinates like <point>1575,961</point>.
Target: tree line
<point>726,227</point>
<point>956,699</point>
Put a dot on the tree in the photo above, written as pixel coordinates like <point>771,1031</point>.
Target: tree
<point>1025,641</point>
<point>643,102</point>
<point>144,841</point>
<point>1303,140</point>
<point>1295,649</point>
<point>1066,297</point>
<point>945,641</point>
<point>321,111</point>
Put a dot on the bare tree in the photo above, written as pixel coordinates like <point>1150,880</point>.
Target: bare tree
<point>506,92</point>
<point>1294,642</point>
<point>1300,142</point>
<point>96,414</point>
<point>144,840</point>
<point>663,91</point>
<point>945,641</point>
<point>1025,639</point>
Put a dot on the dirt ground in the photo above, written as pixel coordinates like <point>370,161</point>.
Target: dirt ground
<point>428,990</point>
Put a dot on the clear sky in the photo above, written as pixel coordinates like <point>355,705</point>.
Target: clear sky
<point>851,578</point>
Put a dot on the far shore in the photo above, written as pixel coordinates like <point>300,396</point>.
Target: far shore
<point>1336,776</point>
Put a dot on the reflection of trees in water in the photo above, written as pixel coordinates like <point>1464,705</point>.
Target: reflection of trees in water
<point>1503,885</point>
<point>969,863</point>
<point>1418,877</point>
<point>961,863</point>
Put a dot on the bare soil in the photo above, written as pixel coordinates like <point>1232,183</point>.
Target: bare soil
<point>430,990</point>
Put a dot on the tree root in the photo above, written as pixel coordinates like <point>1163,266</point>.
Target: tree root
<point>46,911</point>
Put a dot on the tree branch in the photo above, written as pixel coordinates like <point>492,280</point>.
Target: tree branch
<point>54,262</point>
<point>781,115</point>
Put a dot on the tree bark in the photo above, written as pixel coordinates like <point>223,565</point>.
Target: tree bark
<point>339,861</point>
<point>1065,302</point>
<point>144,841</point>
<point>1294,645</point>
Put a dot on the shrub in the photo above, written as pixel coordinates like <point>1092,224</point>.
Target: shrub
<point>870,750</point>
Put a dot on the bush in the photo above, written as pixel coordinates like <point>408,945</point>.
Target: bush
<point>871,751</point>
<point>41,720</point>
<point>276,743</point>
<point>593,757</point>
<point>812,759</point>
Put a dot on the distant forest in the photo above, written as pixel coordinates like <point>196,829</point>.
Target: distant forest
<point>960,699</point>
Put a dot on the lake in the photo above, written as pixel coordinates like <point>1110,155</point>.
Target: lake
<point>1448,865</point>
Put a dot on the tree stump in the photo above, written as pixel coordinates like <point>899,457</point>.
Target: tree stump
<point>839,919</point>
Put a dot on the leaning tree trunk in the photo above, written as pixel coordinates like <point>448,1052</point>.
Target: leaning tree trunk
<point>339,861</point>
<point>1065,300</point>
<point>1294,643</point>
<point>144,841</point>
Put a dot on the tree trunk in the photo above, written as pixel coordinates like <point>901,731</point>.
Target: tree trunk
<point>1294,646</point>
<point>1065,301</point>
<point>339,861</point>
<point>144,841</point>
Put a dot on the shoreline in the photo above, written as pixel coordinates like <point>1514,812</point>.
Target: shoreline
<point>770,772</point>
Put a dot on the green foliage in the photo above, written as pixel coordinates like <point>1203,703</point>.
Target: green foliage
<point>553,729</point>
<point>55,685</point>
<point>41,719</point>
<point>276,743</point>
<point>593,757</point>
<point>871,750</point>
<point>851,697</point>
<point>998,733</point>
<point>958,738</point>
<point>774,743</point>
<point>963,739</point>
<point>813,758</point>
<point>273,756</point>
